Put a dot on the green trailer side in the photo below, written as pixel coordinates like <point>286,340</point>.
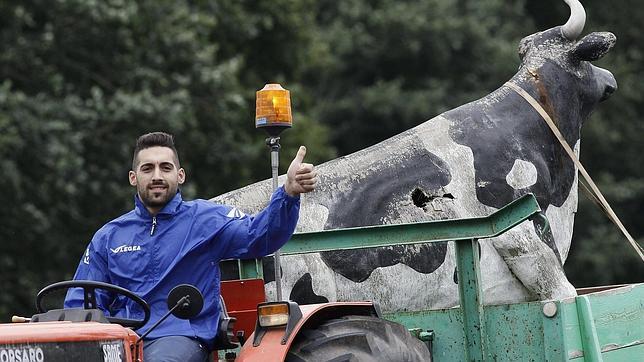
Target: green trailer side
<point>524,332</point>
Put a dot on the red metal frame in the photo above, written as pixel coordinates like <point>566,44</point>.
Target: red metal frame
<point>242,298</point>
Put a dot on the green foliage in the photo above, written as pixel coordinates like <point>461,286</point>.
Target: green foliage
<point>611,149</point>
<point>382,67</point>
<point>82,79</point>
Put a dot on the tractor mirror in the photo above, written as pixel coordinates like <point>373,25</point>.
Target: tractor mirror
<point>185,301</point>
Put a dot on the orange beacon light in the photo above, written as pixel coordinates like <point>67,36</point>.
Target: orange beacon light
<point>273,114</point>
<point>273,109</point>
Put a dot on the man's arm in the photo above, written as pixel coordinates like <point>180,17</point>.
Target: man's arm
<point>254,237</point>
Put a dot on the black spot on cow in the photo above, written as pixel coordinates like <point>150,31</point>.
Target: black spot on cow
<point>499,136</point>
<point>302,292</point>
<point>371,201</point>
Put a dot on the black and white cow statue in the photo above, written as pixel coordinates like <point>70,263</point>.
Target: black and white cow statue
<point>466,162</point>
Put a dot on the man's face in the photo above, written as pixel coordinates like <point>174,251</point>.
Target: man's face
<point>156,177</point>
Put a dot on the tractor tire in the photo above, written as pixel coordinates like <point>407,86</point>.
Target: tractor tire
<point>357,338</point>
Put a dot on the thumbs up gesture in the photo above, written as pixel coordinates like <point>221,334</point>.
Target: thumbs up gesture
<point>300,177</point>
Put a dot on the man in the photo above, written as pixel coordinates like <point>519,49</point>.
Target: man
<point>166,241</point>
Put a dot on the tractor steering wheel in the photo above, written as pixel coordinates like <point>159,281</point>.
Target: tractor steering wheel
<point>89,299</point>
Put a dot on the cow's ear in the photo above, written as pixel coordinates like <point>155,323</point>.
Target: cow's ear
<point>593,46</point>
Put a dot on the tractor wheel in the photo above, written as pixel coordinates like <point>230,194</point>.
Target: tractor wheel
<point>357,338</point>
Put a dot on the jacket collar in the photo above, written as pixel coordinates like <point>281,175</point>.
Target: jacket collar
<point>171,208</point>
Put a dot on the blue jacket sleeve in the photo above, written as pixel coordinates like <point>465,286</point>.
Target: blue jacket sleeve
<point>92,266</point>
<point>254,237</point>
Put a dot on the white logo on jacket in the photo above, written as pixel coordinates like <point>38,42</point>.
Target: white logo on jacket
<point>86,257</point>
<point>235,213</point>
<point>126,249</point>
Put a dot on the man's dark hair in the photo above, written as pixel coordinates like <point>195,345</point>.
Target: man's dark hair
<point>154,139</point>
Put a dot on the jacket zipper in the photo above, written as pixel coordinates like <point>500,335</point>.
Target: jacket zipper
<point>154,225</point>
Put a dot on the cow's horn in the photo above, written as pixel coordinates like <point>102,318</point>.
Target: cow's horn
<point>575,24</point>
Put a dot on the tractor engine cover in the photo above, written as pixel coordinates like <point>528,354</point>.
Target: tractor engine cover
<point>66,341</point>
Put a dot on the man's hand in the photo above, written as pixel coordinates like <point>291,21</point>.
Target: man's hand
<point>300,177</point>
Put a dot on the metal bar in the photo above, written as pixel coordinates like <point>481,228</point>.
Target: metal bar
<point>589,340</point>
<point>275,159</point>
<point>471,299</point>
<point>386,235</point>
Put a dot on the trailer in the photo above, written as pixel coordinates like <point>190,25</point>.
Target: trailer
<point>603,323</point>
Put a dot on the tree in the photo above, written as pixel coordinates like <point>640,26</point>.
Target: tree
<point>610,151</point>
<point>385,66</point>
<point>82,79</point>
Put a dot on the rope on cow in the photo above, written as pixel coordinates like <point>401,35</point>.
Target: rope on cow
<point>611,214</point>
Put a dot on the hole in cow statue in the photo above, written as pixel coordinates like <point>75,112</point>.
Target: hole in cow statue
<point>420,198</point>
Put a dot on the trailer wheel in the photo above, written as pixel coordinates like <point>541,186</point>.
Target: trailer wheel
<point>357,338</point>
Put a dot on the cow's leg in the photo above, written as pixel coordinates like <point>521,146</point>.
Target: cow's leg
<point>499,285</point>
<point>533,263</point>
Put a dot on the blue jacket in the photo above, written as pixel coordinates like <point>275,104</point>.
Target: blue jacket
<point>182,244</point>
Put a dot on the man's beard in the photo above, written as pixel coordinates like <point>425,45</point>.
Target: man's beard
<point>148,199</point>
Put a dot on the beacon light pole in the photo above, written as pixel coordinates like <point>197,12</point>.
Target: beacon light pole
<point>273,114</point>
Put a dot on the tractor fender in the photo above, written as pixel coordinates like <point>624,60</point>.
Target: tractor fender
<point>271,347</point>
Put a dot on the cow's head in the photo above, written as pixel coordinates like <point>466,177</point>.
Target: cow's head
<point>560,67</point>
